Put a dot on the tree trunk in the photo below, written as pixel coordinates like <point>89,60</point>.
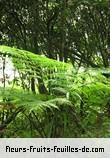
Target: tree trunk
<point>33,85</point>
<point>41,87</point>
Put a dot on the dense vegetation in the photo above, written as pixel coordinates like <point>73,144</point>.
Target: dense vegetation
<point>54,68</point>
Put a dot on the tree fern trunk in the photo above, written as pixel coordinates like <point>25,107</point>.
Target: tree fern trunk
<point>33,85</point>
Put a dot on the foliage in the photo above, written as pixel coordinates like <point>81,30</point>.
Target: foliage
<point>39,115</point>
<point>91,98</point>
<point>31,66</point>
<point>48,97</point>
<point>23,58</point>
<point>84,113</point>
<point>76,31</point>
